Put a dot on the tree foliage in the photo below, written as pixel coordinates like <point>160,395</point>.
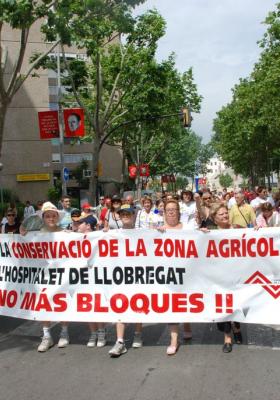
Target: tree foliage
<point>129,92</point>
<point>225,180</point>
<point>123,90</point>
<point>247,129</point>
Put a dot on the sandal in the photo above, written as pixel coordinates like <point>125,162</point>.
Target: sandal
<point>187,335</point>
<point>238,337</point>
<point>227,348</point>
<point>171,350</point>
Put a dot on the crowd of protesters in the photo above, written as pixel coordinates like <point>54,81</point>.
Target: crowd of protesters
<point>203,210</point>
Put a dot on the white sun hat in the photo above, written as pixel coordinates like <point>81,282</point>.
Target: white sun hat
<point>48,206</point>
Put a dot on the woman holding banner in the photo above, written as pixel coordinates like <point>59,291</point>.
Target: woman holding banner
<point>51,217</point>
<point>112,218</point>
<point>220,215</point>
<point>172,221</point>
<point>126,213</point>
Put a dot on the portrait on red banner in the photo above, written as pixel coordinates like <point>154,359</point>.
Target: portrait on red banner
<point>74,122</point>
<point>48,124</point>
<point>144,170</point>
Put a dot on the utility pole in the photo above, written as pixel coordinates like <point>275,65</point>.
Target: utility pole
<point>61,126</point>
<point>1,191</point>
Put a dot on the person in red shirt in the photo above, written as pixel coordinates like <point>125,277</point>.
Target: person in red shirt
<point>104,212</point>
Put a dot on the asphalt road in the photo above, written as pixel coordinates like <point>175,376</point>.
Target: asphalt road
<point>199,370</point>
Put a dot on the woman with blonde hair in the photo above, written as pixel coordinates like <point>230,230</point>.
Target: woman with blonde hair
<point>220,215</point>
<point>172,222</point>
<point>145,217</point>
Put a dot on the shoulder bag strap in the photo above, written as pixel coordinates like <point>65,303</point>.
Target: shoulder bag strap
<point>242,215</point>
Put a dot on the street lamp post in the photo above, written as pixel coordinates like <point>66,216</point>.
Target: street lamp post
<point>1,190</point>
<point>60,120</point>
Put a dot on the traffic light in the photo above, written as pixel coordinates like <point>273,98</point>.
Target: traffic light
<point>187,119</point>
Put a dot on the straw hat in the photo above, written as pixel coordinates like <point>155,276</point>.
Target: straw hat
<point>48,206</point>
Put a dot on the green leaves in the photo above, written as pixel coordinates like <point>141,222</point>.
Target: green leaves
<point>247,129</point>
<point>225,180</point>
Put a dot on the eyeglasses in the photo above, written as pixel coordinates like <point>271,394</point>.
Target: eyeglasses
<point>10,215</point>
<point>170,210</point>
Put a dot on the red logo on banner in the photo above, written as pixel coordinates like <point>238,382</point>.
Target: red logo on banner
<point>74,122</point>
<point>132,171</point>
<point>259,279</point>
<point>144,170</point>
<point>48,124</point>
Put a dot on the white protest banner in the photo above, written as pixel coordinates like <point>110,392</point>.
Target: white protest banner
<point>142,276</point>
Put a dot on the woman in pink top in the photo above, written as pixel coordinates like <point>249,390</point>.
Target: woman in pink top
<point>267,218</point>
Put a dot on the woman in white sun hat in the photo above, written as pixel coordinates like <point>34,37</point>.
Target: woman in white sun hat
<point>50,218</point>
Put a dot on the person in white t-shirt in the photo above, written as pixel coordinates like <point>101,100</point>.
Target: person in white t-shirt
<point>260,199</point>
<point>187,207</point>
<point>158,218</point>
<point>145,217</point>
<point>28,209</point>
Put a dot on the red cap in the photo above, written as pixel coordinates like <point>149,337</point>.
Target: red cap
<point>85,206</point>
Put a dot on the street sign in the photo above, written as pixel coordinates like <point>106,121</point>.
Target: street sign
<point>66,174</point>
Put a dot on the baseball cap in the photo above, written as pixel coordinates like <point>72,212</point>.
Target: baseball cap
<point>126,208</point>
<point>90,219</point>
<point>86,206</point>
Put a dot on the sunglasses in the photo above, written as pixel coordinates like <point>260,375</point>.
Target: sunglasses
<point>10,215</point>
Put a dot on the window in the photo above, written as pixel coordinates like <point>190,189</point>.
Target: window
<point>72,158</point>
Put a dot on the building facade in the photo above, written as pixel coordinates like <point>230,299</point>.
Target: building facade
<point>217,167</point>
<point>30,165</point>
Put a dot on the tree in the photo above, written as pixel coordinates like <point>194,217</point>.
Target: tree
<point>129,89</point>
<point>225,180</point>
<point>158,141</point>
<point>247,129</point>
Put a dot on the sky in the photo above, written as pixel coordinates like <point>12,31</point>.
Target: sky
<point>218,38</point>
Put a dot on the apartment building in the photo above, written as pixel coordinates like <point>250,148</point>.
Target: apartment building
<point>30,165</point>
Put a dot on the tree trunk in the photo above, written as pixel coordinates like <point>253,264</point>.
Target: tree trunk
<point>3,113</point>
<point>94,179</point>
<point>98,129</point>
<point>123,174</point>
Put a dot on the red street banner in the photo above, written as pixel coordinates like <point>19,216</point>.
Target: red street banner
<point>132,171</point>
<point>168,178</point>
<point>48,124</point>
<point>202,181</point>
<point>74,122</point>
<point>144,170</point>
